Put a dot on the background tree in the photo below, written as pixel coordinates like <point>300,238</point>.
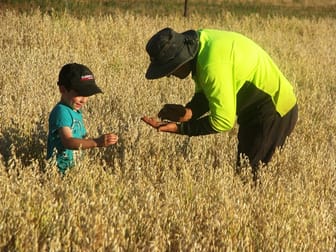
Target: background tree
<point>185,8</point>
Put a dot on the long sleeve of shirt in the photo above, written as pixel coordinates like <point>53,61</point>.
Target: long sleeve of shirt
<point>197,127</point>
<point>199,105</point>
<point>199,123</point>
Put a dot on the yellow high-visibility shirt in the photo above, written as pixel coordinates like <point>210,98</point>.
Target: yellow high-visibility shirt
<point>225,62</point>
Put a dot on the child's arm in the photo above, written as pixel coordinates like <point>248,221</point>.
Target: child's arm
<point>72,143</point>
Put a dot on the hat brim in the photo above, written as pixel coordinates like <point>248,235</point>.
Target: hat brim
<point>88,89</point>
<point>156,71</point>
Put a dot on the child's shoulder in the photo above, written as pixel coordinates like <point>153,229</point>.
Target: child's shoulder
<point>60,107</point>
<point>60,110</point>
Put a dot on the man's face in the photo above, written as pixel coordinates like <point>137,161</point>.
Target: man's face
<point>183,71</point>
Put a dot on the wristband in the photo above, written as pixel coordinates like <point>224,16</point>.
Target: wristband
<point>180,128</point>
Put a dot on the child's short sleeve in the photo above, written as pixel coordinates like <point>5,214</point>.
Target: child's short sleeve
<point>59,117</point>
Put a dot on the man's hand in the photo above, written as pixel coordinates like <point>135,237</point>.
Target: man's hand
<point>159,125</point>
<point>175,113</point>
<point>153,122</point>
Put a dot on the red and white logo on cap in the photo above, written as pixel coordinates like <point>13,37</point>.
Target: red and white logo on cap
<point>86,77</point>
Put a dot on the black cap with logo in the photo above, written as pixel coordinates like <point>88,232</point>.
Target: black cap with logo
<point>79,78</point>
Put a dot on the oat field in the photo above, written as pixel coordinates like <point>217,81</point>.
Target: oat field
<point>155,191</point>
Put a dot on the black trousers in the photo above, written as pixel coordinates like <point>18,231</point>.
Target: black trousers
<point>259,137</point>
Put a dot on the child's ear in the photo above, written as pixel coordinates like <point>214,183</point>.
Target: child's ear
<point>62,89</point>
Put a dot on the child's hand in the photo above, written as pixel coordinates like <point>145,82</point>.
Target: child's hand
<point>106,140</point>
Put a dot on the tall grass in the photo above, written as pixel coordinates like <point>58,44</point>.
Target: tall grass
<point>155,191</point>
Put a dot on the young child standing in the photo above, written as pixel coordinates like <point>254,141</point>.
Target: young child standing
<point>67,133</point>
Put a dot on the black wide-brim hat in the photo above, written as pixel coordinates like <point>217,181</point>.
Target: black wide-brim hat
<point>168,50</point>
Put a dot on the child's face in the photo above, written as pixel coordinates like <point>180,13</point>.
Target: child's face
<point>72,99</point>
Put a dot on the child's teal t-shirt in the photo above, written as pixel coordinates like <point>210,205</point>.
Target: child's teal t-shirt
<point>64,116</point>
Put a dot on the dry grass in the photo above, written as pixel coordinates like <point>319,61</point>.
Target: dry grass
<point>157,191</point>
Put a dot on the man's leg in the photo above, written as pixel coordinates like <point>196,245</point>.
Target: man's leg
<point>282,128</point>
<point>259,140</point>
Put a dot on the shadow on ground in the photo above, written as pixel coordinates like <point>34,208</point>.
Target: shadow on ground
<point>18,148</point>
